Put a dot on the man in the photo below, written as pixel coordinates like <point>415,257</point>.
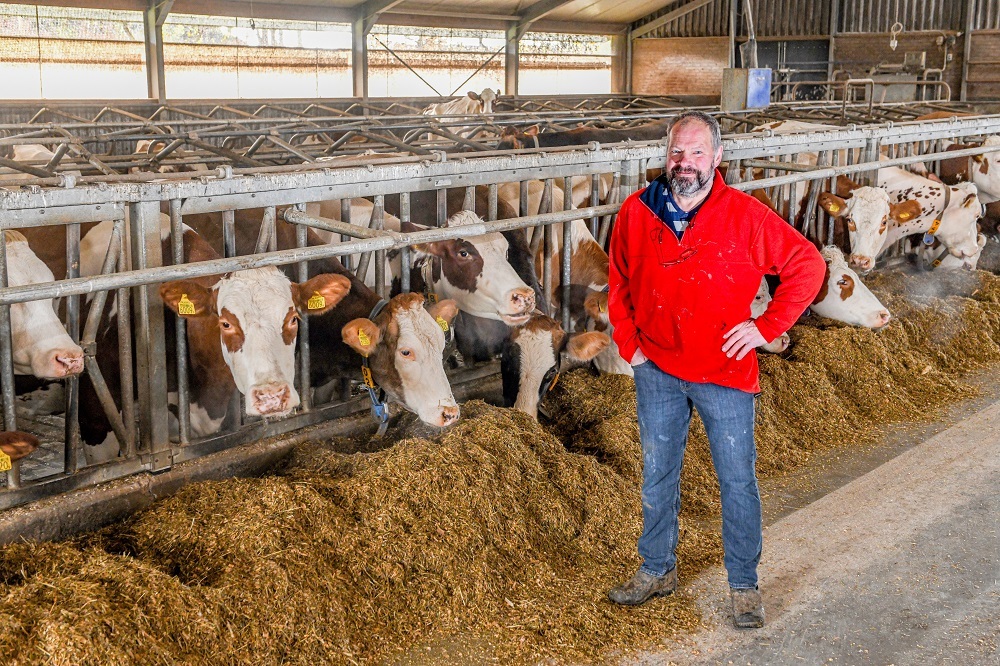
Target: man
<point>687,256</point>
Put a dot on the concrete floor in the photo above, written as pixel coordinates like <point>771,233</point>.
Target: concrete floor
<point>899,566</point>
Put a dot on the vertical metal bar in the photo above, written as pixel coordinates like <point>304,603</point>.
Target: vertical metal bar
<point>183,386</point>
<point>267,239</point>
<point>378,222</point>
<point>547,250</point>
<point>442,207</point>
<point>150,351</point>
<point>72,388</point>
<point>595,199</point>
<point>970,25</point>
<point>345,216</point>
<point>469,202</point>
<point>491,201</point>
<point>567,253</point>
<point>523,200</point>
<point>305,367</point>
<point>7,367</point>
<point>125,355</point>
<point>404,256</point>
<point>229,232</point>
<point>614,196</point>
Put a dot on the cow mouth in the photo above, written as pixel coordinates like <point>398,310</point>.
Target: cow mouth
<point>515,320</point>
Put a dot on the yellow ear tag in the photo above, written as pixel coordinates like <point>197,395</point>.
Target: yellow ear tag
<point>185,306</point>
<point>363,338</point>
<point>602,306</point>
<point>834,208</point>
<point>316,301</point>
<point>367,374</point>
<point>904,216</point>
<point>442,323</point>
<point>5,463</point>
<point>432,297</point>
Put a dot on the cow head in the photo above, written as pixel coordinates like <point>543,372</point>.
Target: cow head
<point>485,99</point>
<point>844,297</point>
<point>949,262</point>
<point>986,171</point>
<point>513,139</point>
<point>868,213</point>
<point>41,345</point>
<point>530,363</point>
<point>959,231</point>
<point>609,361</point>
<point>255,314</point>
<point>404,345</point>
<point>477,275</point>
<point>757,308</point>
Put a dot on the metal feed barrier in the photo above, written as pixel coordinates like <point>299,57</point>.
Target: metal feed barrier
<point>132,267</point>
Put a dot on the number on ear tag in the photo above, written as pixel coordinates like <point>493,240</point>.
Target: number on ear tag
<point>834,208</point>
<point>5,463</point>
<point>367,374</point>
<point>316,301</point>
<point>363,338</point>
<point>185,306</point>
<point>442,323</point>
<point>432,297</point>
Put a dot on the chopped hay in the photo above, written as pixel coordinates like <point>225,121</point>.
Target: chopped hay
<point>500,537</point>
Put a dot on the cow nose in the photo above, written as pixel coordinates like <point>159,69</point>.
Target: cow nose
<point>66,362</point>
<point>883,318</point>
<point>448,415</point>
<point>522,300</point>
<point>271,398</point>
<point>862,262</point>
<point>785,341</point>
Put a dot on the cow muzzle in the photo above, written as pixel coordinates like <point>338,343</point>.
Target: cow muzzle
<point>881,319</point>
<point>861,262</point>
<point>273,399</point>
<point>61,363</point>
<point>521,303</point>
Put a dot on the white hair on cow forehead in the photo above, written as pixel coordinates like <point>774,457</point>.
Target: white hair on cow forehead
<point>463,218</point>
<point>417,325</point>
<point>538,354</point>
<point>834,256</point>
<point>264,291</point>
<point>869,201</point>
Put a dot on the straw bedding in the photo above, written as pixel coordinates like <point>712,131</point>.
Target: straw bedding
<point>497,540</point>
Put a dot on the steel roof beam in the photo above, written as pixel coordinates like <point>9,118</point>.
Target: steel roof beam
<point>669,17</point>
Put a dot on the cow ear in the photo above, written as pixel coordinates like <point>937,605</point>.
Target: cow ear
<point>532,131</point>
<point>905,210</point>
<point>981,240</point>
<point>978,159</point>
<point>318,295</point>
<point>832,204</point>
<point>446,310</point>
<point>508,131</point>
<point>969,200</point>
<point>17,444</point>
<point>187,298</point>
<point>473,95</point>
<point>845,186</point>
<point>585,346</point>
<point>596,305</point>
<point>361,335</point>
<point>436,248</point>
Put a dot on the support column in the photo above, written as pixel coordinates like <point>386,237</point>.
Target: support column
<point>732,32</point>
<point>620,62</point>
<point>512,60</point>
<point>970,25</point>
<point>832,50</point>
<point>152,25</point>
<point>359,57</point>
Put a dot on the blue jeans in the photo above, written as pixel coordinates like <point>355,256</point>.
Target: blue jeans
<point>664,416</point>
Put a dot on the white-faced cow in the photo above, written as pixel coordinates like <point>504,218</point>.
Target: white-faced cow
<point>843,297</point>
<point>471,104</point>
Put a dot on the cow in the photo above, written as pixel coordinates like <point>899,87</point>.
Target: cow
<point>948,213</point>
<point>471,104</point>
<point>513,139</point>
<point>843,297</point>
<point>147,150</point>
<point>983,170</point>
<point>241,332</point>
<point>404,357</point>
<point>41,346</point>
<point>757,308</point>
<point>531,360</point>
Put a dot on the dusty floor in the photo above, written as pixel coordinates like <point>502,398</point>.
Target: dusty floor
<point>900,565</point>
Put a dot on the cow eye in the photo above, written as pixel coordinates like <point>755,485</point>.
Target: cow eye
<point>842,282</point>
<point>225,324</point>
<point>464,254</point>
<point>406,353</point>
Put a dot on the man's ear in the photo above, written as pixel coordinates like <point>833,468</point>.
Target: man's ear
<point>361,335</point>
<point>318,295</point>
<point>188,298</point>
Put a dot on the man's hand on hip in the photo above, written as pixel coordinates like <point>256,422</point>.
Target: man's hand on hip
<point>741,339</point>
<point>638,358</point>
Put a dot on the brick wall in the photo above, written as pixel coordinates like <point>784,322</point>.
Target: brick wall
<point>859,52</point>
<point>680,66</point>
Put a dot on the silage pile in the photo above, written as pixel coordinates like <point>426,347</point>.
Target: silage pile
<point>499,539</point>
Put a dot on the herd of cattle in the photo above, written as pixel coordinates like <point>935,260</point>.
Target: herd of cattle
<point>481,290</point>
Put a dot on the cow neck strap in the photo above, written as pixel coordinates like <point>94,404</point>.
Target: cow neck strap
<point>929,236</point>
<point>938,259</point>
<point>379,406</point>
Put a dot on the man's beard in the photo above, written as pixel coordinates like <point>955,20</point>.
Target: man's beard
<point>689,184</point>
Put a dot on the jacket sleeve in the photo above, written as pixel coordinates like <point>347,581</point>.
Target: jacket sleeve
<point>778,249</point>
<point>621,312</point>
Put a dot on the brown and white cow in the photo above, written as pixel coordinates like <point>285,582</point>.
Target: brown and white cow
<point>471,104</point>
<point>844,297</point>
<point>757,308</point>
<point>41,346</point>
<point>531,364</point>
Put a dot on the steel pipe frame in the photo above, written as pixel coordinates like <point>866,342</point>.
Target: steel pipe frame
<point>629,160</point>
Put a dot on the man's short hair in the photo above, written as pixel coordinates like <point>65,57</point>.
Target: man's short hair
<point>699,116</point>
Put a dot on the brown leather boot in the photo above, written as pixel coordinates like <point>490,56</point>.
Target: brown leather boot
<point>748,609</point>
<point>642,587</point>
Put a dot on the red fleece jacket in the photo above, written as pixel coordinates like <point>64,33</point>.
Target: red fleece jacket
<point>676,299</point>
